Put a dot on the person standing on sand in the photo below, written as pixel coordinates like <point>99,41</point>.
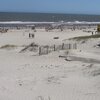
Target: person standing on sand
<point>92,33</point>
<point>29,35</point>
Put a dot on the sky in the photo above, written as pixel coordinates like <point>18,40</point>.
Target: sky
<point>51,6</point>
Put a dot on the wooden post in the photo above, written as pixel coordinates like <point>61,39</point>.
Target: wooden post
<point>39,50</point>
<point>62,46</point>
<point>54,47</point>
<point>69,46</point>
<point>47,49</point>
<point>75,46</point>
<point>29,35</point>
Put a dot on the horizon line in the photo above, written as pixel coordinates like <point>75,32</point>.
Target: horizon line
<point>47,12</point>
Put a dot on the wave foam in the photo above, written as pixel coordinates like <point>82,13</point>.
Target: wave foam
<point>75,22</point>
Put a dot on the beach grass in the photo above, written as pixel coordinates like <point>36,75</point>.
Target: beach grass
<point>7,46</point>
<point>85,37</point>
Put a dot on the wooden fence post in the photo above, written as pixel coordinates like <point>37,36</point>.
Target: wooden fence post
<point>62,46</point>
<point>75,46</point>
<point>39,50</point>
<point>54,47</point>
<point>69,46</point>
<point>47,49</point>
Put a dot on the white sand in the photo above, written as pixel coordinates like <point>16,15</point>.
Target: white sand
<point>24,76</point>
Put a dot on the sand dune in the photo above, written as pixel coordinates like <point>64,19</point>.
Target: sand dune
<point>27,76</point>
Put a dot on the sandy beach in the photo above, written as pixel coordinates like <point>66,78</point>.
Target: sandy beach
<point>61,74</point>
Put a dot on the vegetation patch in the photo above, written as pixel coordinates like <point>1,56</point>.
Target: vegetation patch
<point>8,46</point>
<point>85,37</point>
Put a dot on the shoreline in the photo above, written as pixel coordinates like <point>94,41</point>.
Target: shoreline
<point>45,22</point>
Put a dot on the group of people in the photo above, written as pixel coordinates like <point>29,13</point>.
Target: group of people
<point>31,35</point>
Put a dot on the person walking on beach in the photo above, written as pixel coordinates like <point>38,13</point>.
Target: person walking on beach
<point>92,33</point>
<point>29,35</point>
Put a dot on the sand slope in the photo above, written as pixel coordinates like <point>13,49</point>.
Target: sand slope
<point>25,76</point>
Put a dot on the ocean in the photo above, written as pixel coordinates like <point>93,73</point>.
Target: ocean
<point>46,17</point>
